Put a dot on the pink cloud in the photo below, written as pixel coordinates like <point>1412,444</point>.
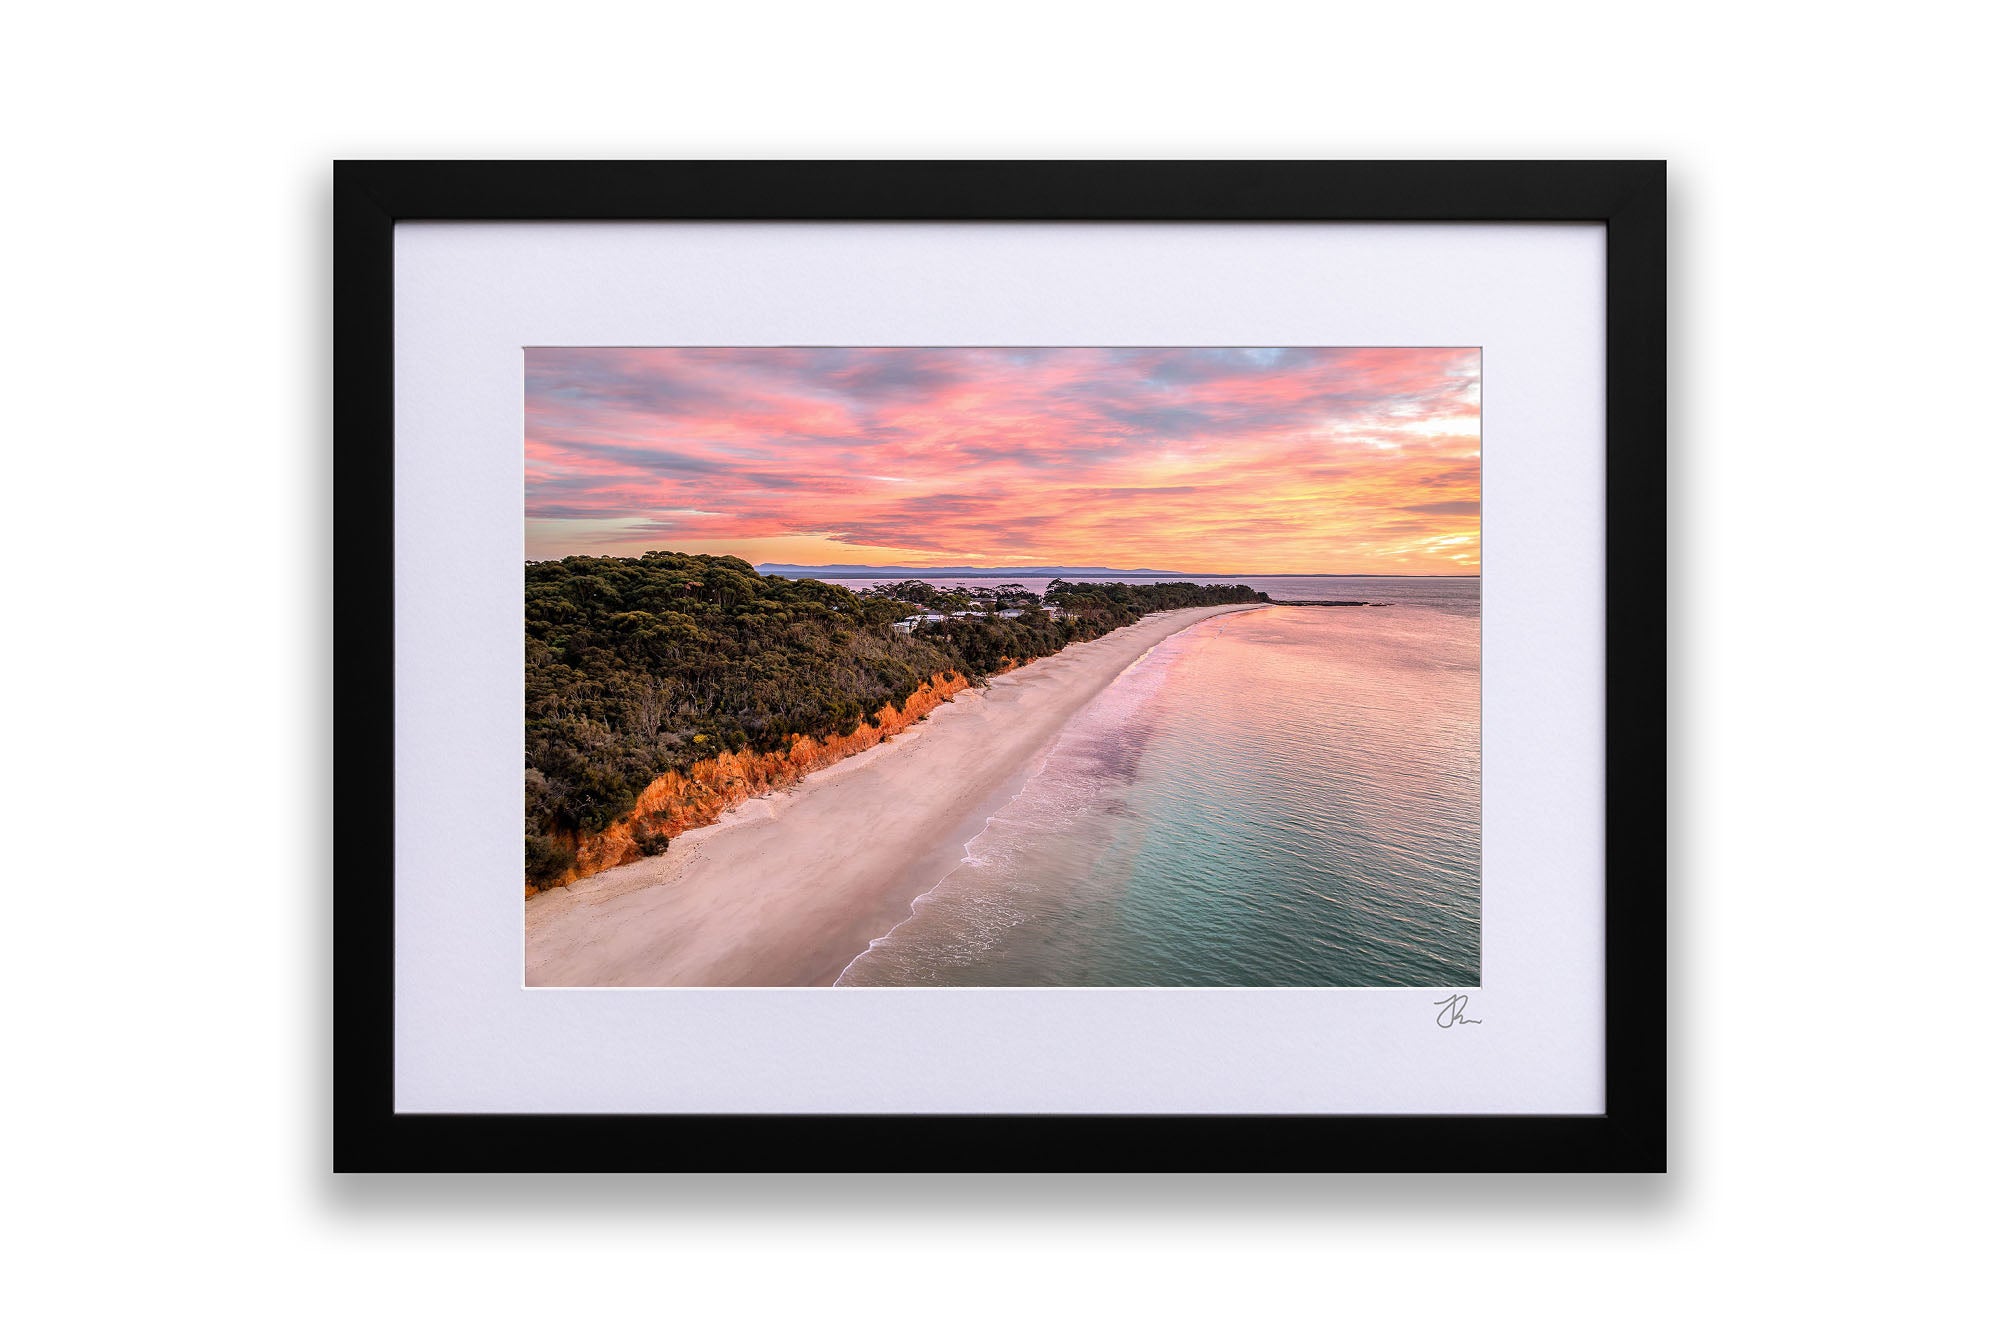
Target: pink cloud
<point>1219,460</point>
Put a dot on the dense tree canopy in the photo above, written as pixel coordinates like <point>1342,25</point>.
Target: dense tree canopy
<point>639,666</point>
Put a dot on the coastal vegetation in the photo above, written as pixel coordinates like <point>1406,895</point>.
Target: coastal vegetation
<point>663,688</point>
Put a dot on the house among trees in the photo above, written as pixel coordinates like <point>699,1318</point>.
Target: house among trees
<point>908,624</point>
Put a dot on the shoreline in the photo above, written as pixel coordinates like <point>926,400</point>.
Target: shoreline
<point>787,889</point>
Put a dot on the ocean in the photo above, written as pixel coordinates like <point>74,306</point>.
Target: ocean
<point>1283,796</point>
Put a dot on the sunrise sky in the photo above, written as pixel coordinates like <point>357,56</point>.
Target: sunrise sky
<point>1207,460</point>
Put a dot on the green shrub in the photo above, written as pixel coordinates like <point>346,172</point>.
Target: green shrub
<point>548,860</point>
<point>641,666</point>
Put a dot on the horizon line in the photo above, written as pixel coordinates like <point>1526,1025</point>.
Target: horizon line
<point>1115,569</point>
<point>865,571</point>
<point>1144,573</point>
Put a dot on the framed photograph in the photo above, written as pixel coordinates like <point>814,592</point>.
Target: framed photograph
<point>933,663</point>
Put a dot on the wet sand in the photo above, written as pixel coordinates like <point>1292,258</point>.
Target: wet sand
<point>789,888</point>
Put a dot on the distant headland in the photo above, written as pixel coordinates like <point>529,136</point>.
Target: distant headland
<point>964,572</point>
<point>928,572</point>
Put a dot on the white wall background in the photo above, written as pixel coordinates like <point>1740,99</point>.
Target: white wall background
<point>168,457</point>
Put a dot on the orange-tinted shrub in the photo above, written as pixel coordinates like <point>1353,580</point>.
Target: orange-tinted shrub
<point>675,802</point>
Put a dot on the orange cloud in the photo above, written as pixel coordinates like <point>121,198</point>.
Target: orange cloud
<point>1208,460</point>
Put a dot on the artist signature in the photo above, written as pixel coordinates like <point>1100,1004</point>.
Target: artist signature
<point>1452,1011</point>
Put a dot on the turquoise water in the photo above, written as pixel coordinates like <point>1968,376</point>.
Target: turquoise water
<point>1284,796</point>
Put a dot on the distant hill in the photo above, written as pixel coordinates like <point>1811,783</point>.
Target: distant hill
<point>963,572</point>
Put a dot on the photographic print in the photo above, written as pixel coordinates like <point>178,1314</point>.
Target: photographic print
<point>1002,666</point>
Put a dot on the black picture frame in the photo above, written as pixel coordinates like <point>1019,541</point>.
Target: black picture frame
<point>1628,198</point>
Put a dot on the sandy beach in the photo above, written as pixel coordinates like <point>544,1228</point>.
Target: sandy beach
<point>787,889</point>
